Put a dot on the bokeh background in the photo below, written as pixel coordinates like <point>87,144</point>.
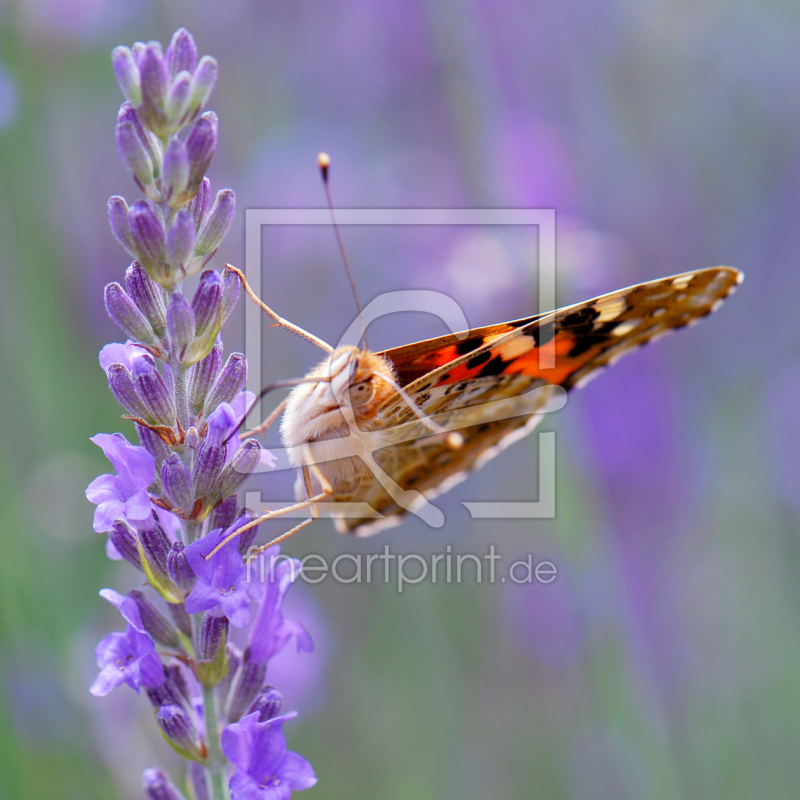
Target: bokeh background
<point>664,661</point>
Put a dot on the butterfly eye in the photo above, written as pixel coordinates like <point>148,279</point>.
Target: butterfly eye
<point>361,393</point>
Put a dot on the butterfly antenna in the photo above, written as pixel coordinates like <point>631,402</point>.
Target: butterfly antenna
<point>324,161</point>
<point>283,323</point>
<point>454,439</point>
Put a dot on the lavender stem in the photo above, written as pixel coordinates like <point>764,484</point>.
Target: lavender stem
<point>215,765</point>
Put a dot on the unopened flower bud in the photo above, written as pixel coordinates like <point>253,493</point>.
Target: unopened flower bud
<point>207,302</point>
<point>268,704</point>
<point>205,76</point>
<point>242,464</point>
<point>154,83</point>
<point>127,74</point>
<point>200,203</point>
<point>202,376</point>
<point>246,539</point>
<point>201,144</point>
<point>154,444</point>
<point>176,173</point>
<point>121,384</point>
<point>181,53</point>
<point>127,113</point>
<point>223,514</point>
<point>154,547</point>
<point>153,621</point>
<point>181,618</point>
<point>230,382</point>
<point>123,537</point>
<point>126,315</point>
<point>148,296</point>
<point>150,239</point>
<point>177,482</point>
<point>217,224</point>
<point>134,155</point>
<point>120,227</point>
<point>179,569</point>
<point>180,322</point>
<point>158,786</point>
<point>181,243</point>
<point>213,632</point>
<point>198,781</point>
<point>207,466</point>
<point>231,288</point>
<point>177,105</point>
<point>153,391</point>
<point>248,680</point>
<point>180,731</point>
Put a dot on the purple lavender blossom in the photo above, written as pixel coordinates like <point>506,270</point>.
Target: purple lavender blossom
<point>124,494</point>
<point>266,770</point>
<point>128,657</point>
<point>222,580</point>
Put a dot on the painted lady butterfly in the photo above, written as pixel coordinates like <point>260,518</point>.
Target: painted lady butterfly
<point>374,434</point>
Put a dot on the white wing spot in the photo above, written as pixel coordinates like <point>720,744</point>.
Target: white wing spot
<point>515,347</point>
<point>609,309</point>
<point>716,304</point>
<point>626,327</point>
<point>682,281</point>
<point>658,312</point>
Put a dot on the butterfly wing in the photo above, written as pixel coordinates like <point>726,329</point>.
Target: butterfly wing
<point>495,383</point>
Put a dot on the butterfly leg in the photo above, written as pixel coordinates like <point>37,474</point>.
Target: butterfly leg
<point>267,423</point>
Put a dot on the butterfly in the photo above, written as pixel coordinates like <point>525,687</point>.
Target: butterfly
<point>379,434</point>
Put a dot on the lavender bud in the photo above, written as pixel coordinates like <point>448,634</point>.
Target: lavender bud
<point>178,100</point>
<point>207,302</point>
<point>230,382</point>
<point>241,466</point>
<point>153,391</point>
<point>223,514</point>
<point>200,144</point>
<point>158,786</point>
<point>249,679</point>
<point>168,694</point>
<point>154,622</point>
<point>175,173</point>
<point>213,632</point>
<point>180,322</point>
<point>123,537</point>
<point>153,443</point>
<point>154,87</point>
<point>176,677</point>
<point>154,549</point>
<point>179,729</point>
<point>181,53</point>
<point>199,205</point>
<point>178,567</point>
<point>149,237</point>
<point>148,296</point>
<point>202,376</point>
<point>231,288</point>
<point>217,224</point>
<point>120,227</point>
<point>126,315</point>
<point>207,467</point>
<point>248,537</point>
<point>133,154</point>
<point>191,438</point>
<point>181,618</point>
<point>120,382</point>
<point>177,482</point>
<point>127,74</point>
<point>198,781</point>
<point>138,51</point>
<point>181,242</point>
<point>268,704</point>
<point>205,77</point>
<point>127,113</point>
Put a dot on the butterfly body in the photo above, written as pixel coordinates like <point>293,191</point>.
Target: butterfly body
<point>357,418</point>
